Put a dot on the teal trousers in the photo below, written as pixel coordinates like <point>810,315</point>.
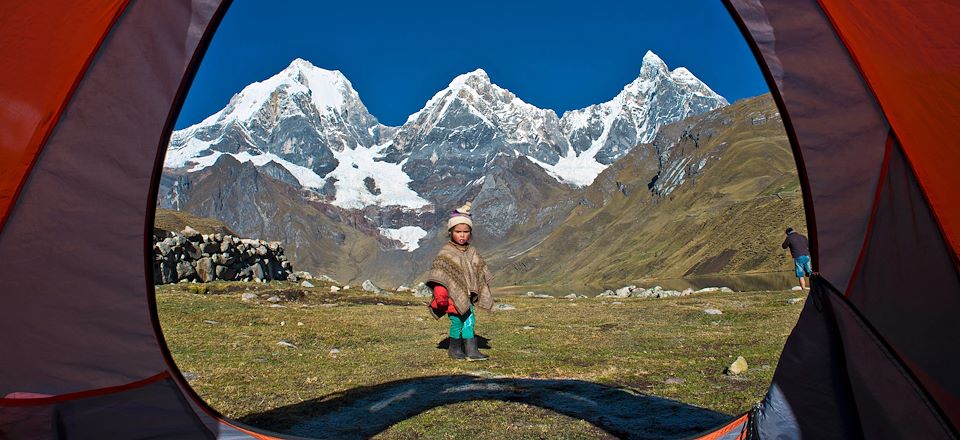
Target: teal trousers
<point>461,326</point>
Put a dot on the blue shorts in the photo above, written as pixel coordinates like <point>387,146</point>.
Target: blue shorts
<point>801,265</point>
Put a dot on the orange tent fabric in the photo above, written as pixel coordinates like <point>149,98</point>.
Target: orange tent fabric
<point>909,54</point>
<point>45,55</point>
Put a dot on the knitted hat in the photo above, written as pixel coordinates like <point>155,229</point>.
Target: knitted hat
<point>460,215</point>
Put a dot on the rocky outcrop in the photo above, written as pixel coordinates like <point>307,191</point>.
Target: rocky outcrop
<point>192,256</point>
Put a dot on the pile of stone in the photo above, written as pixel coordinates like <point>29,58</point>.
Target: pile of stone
<point>655,292</point>
<point>192,256</point>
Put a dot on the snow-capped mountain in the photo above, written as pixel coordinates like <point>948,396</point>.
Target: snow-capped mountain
<point>307,127</point>
<point>602,133</point>
<point>310,120</point>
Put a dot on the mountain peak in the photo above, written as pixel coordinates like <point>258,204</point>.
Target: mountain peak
<point>653,63</point>
<point>302,65</point>
<point>469,77</point>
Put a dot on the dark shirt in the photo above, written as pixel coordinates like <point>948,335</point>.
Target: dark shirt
<point>798,244</point>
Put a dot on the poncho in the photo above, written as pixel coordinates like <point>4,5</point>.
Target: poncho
<point>465,275</point>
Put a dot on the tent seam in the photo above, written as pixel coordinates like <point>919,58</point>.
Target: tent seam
<point>97,392</point>
<point>881,180</point>
<point>886,349</point>
<point>876,99</point>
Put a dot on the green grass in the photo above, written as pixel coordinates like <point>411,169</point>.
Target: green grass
<point>229,350</point>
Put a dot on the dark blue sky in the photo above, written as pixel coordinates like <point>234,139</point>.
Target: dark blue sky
<point>553,54</point>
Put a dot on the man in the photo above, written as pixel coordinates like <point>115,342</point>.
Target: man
<point>800,250</point>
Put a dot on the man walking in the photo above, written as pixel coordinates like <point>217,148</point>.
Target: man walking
<point>800,250</point>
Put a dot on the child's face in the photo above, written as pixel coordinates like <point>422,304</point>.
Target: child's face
<point>460,234</point>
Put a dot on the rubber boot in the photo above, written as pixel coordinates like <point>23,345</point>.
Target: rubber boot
<point>455,349</point>
<point>470,346</point>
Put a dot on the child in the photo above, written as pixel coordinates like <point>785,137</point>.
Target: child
<point>460,278</point>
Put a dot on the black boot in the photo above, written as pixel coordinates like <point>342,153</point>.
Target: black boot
<point>455,349</point>
<point>470,346</point>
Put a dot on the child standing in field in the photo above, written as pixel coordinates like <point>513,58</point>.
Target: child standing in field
<point>460,278</point>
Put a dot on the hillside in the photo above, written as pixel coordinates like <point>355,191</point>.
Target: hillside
<point>171,220</point>
<point>726,189</point>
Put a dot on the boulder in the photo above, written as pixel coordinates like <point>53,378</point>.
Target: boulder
<point>370,287</point>
<point>422,291</point>
<point>625,291</point>
<point>192,252</point>
<point>333,289</point>
<point>737,367</point>
<point>191,234</point>
<point>306,283</point>
<point>539,295</point>
<point>205,270</point>
<point>186,271</point>
<point>726,290</point>
<point>606,294</point>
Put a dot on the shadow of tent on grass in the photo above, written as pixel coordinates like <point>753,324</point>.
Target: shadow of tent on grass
<point>366,411</point>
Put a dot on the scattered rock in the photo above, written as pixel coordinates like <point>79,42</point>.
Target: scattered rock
<point>334,352</point>
<point>504,306</point>
<point>303,275</point>
<point>796,288</point>
<point>190,376</point>
<point>248,296</point>
<point>606,294</point>
<point>686,291</point>
<point>574,296</point>
<point>674,381</point>
<point>737,367</point>
<point>210,321</point>
<point>419,319</point>
<point>347,287</point>
<point>539,295</point>
<point>528,327</point>
<point>422,291</point>
<point>625,291</point>
<point>334,289</point>
<point>712,311</point>
<point>616,303</point>
<point>370,287</point>
<point>286,344</point>
<point>708,289</point>
<point>403,289</point>
<point>794,300</point>
<point>726,290</point>
<point>327,279</point>
<point>306,284</point>
<point>274,299</point>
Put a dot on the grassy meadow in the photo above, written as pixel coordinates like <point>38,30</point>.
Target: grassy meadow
<point>253,359</point>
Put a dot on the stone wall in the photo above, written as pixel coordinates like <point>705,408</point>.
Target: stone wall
<point>192,256</point>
